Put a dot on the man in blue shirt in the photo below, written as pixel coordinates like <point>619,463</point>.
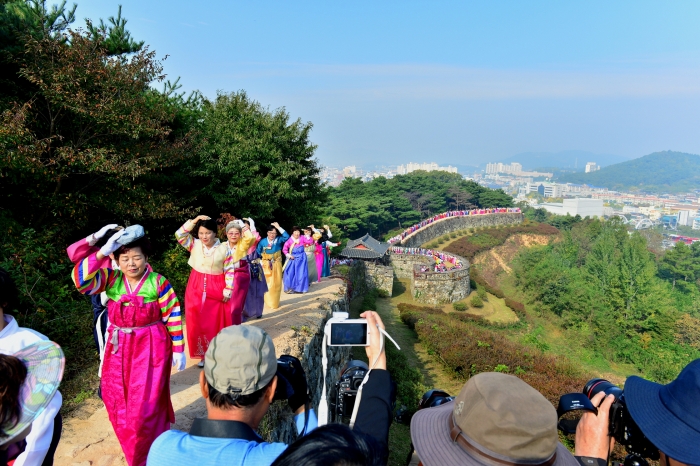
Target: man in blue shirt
<point>238,382</point>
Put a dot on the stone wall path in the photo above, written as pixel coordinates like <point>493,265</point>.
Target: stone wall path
<point>88,438</point>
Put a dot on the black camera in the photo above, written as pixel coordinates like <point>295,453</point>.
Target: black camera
<point>342,400</point>
<point>434,397</point>
<point>622,427</point>
<point>287,371</point>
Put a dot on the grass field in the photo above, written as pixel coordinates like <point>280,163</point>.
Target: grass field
<point>494,310</point>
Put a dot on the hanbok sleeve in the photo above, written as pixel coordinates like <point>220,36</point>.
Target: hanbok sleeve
<point>90,279</point>
<point>287,245</point>
<point>80,250</point>
<point>244,244</point>
<point>171,313</point>
<point>261,245</point>
<point>183,236</point>
<point>285,236</point>
<point>229,272</point>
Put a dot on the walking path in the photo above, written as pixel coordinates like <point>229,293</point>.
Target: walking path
<point>88,438</point>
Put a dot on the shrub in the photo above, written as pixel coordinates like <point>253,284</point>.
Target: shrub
<point>481,293</point>
<point>382,293</point>
<point>476,301</point>
<point>468,349</point>
<point>459,306</point>
<point>453,235</point>
<point>517,307</point>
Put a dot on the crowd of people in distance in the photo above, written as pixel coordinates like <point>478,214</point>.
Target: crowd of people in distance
<point>452,213</point>
<point>440,258</point>
<point>496,419</point>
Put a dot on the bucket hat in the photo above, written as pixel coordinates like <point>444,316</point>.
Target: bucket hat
<point>496,420</point>
<point>45,363</point>
<point>669,415</point>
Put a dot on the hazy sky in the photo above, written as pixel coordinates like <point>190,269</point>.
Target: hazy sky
<point>453,82</point>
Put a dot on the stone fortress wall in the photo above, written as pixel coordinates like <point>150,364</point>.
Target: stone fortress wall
<point>435,288</point>
<point>450,224</point>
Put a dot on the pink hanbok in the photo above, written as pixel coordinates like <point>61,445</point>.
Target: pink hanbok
<point>145,329</point>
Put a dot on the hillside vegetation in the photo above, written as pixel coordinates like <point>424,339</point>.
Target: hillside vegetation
<point>611,295</point>
<point>658,172</point>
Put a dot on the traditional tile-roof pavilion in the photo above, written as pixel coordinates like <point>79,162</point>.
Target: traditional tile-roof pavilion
<point>365,248</point>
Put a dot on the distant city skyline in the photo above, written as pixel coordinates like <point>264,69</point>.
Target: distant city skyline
<point>455,82</point>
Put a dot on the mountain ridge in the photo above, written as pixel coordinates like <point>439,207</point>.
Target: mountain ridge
<point>666,171</point>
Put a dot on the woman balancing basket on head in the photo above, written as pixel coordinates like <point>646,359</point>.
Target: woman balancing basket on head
<point>210,288</point>
<point>144,336</point>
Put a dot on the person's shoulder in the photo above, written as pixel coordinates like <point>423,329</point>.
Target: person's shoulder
<point>16,337</point>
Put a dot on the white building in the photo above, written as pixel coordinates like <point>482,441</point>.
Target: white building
<point>544,189</point>
<point>428,167</point>
<point>592,167</point>
<point>579,206</point>
<point>696,224</point>
<point>684,217</point>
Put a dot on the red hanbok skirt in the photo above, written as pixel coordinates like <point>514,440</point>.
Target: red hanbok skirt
<point>205,312</point>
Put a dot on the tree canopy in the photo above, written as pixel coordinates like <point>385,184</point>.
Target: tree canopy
<point>382,205</point>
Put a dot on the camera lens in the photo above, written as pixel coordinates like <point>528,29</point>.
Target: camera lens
<point>595,386</point>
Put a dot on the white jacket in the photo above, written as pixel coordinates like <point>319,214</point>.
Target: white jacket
<point>12,339</point>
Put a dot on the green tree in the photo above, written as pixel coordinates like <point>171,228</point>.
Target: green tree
<point>87,141</point>
<point>256,162</point>
<point>680,265</point>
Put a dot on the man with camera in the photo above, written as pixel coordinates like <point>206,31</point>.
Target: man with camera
<point>241,378</point>
<point>647,417</point>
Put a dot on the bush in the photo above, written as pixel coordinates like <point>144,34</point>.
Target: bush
<point>517,307</point>
<point>481,293</point>
<point>460,306</point>
<point>453,235</point>
<point>468,349</point>
<point>382,293</point>
<point>476,301</point>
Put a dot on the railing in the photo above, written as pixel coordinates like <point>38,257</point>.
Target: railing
<point>453,213</point>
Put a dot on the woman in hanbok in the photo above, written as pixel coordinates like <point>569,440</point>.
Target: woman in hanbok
<point>145,336</point>
<point>270,251</point>
<point>208,289</point>
<point>236,268</point>
<point>255,300</point>
<point>310,250</point>
<point>323,265</point>
<point>296,272</point>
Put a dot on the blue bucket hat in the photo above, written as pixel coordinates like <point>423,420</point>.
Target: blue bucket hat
<point>669,415</point>
<point>131,234</point>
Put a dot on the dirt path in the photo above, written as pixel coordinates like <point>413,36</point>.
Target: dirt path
<point>88,438</point>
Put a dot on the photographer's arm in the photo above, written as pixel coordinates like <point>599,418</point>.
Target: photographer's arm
<point>375,413</point>
<point>592,439</point>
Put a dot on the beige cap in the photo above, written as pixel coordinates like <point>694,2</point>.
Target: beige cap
<point>497,419</point>
<point>240,360</point>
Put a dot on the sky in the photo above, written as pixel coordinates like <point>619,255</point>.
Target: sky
<point>455,82</point>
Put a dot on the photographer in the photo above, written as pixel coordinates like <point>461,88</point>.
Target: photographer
<point>239,382</point>
<point>367,443</point>
<point>667,415</point>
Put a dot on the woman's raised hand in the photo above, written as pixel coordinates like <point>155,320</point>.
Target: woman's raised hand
<point>201,217</point>
<point>102,231</point>
<point>111,245</point>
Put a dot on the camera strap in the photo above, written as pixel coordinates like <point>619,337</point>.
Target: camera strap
<point>356,408</point>
<point>323,403</point>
